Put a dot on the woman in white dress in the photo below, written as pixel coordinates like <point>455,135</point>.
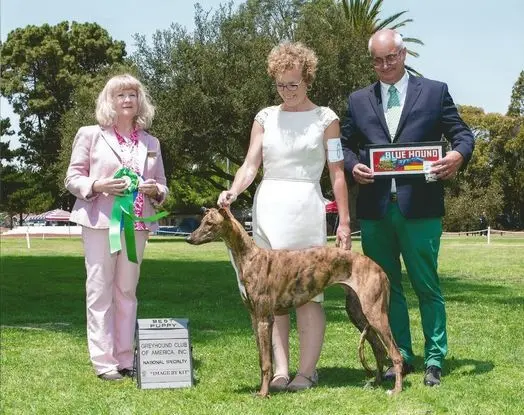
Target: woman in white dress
<point>292,141</point>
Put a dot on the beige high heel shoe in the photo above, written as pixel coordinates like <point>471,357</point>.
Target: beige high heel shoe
<point>278,383</point>
<point>310,382</point>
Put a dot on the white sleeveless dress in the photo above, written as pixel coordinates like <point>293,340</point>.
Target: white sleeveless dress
<point>289,210</point>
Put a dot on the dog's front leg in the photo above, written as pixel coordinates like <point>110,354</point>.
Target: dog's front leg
<point>263,327</point>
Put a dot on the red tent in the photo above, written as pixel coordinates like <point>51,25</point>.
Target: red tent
<point>331,207</point>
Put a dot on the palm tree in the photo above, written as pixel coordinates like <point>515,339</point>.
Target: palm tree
<point>364,17</point>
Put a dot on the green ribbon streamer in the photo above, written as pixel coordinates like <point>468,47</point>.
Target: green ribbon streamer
<point>122,211</point>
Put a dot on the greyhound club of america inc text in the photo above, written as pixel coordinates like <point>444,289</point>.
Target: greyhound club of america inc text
<point>158,348</point>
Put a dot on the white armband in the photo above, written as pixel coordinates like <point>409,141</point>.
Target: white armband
<point>334,149</point>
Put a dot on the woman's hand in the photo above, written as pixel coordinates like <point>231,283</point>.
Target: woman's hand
<point>111,186</point>
<point>149,188</point>
<point>343,237</point>
<point>226,198</point>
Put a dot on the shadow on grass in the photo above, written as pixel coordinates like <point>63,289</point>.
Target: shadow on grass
<point>338,377</point>
<point>455,290</point>
<point>467,367</point>
<point>49,292</point>
<point>164,239</point>
<point>332,377</point>
<point>464,291</point>
<point>341,377</point>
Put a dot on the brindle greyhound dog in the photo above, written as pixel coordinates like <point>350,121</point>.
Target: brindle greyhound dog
<point>274,281</point>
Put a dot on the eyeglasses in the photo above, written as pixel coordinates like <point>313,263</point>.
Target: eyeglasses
<point>122,96</point>
<point>390,59</point>
<point>290,87</point>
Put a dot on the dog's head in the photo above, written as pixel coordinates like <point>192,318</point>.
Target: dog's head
<point>211,226</point>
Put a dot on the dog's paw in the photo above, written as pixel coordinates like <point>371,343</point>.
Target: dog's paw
<point>261,395</point>
<point>370,384</point>
<point>392,392</point>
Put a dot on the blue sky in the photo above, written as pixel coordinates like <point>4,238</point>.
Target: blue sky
<point>476,47</point>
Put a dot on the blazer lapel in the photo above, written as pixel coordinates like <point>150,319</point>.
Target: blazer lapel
<point>110,137</point>
<point>143,140</point>
<point>375,97</point>
<point>412,94</point>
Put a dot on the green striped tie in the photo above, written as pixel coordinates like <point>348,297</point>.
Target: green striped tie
<point>393,111</point>
<point>394,100</point>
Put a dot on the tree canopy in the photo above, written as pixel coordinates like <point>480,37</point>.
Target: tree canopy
<point>365,18</point>
<point>40,68</point>
<point>208,85</point>
<point>494,178</point>
<point>516,106</point>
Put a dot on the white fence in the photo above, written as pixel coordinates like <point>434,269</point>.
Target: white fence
<point>487,233</point>
<point>76,231</point>
<point>43,231</point>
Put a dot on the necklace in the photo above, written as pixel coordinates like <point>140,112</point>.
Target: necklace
<point>133,137</point>
<point>128,149</point>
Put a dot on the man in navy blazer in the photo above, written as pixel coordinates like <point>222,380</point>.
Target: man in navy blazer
<point>403,216</point>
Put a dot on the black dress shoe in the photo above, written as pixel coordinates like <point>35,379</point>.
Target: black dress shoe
<point>128,373</point>
<point>111,375</point>
<point>390,373</point>
<point>432,376</point>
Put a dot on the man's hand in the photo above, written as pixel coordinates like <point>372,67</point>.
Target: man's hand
<point>362,174</point>
<point>448,166</point>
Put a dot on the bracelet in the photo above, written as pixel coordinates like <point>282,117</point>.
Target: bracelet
<point>93,187</point>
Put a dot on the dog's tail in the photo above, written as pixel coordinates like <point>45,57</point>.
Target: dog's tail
<point>361,354</point>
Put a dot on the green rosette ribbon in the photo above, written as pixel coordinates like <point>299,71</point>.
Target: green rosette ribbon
<point>122,215</point>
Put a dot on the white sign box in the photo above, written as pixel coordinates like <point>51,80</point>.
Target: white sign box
<point>163,353</point>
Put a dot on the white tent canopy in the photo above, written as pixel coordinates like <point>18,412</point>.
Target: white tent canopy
<point>56,215</point>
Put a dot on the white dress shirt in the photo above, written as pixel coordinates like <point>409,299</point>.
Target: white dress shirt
<point>402,90</point>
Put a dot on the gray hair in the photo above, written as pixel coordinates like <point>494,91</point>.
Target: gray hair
<point>397,38</point>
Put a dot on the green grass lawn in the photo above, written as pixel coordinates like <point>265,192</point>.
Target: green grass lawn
<point>45,368</point>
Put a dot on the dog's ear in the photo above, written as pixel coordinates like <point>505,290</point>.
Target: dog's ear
<point>225,212</point>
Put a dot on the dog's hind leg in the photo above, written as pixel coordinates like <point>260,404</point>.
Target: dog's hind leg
<point>263,327</point>
<point>378,319</point>
<point>357,317</point>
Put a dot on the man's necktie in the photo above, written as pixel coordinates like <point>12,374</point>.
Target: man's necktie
<point>393,111</point>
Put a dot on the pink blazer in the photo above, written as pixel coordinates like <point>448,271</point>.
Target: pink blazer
<point>96,155</point>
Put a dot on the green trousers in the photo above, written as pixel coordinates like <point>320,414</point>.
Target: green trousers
<point>418,240</point>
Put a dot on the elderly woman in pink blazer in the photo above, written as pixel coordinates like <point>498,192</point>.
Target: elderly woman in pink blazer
<point>123,112</point>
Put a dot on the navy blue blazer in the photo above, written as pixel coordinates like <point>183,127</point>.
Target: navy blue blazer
<point>428,114</point>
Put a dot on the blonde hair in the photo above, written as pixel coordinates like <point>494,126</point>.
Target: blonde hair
<point>292,55</point>
<point>105,111</point>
